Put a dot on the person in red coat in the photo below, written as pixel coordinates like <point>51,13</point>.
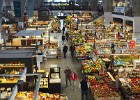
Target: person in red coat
<point>73,77</point>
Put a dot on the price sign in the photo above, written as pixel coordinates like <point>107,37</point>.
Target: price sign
<point>132,44</point>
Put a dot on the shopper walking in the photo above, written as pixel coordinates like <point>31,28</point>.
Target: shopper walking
<point>73,77</point>
<point>84,88</point>
<point>63,29</point>
<point>72,50</point>
<point>65,49</point>
<point>63,38</point>
<point>67,36</point>
<point>67,75</point>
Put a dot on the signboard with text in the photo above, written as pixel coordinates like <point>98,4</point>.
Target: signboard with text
<point>119,9</point>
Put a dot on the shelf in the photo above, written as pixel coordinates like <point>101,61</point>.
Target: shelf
<point>13,66</point>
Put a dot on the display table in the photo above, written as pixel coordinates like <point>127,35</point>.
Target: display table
<point>51,53</point>
<point>55,86</point>
<point>55,80</point>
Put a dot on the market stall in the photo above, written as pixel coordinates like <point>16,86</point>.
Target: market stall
<point>10,29</point>
<point>28,38</point>
<point>129,84</point>
<point>8,82</point>
<point>15,60</point>
<point>104,87</point>
<point>91,67</point>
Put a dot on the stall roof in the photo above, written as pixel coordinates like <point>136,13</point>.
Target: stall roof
<point>29,33</point>
<point>16,53</point>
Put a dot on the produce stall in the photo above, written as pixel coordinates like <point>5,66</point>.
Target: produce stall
<point>28,38</point>
<point>20,91</point>
<point>55,25</point>
<point>44,82</point>
<point>11,28</point>
<point>130,84</point>
<point>8,82</point>
<point>92,67</point>
<point>103,87</point>
<point>15,60</point>
<point>83,51</point>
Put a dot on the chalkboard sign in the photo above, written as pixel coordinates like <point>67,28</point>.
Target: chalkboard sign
<point>17,8</point>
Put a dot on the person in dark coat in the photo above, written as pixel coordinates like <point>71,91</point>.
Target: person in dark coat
<point>67,36</point>
<point>67,74</point>
<point>63,38</point>
<point>72,50</point>
<point>113,47</point>
<point>65,49</point>
<point>84,88</point>
<point>63,29</point>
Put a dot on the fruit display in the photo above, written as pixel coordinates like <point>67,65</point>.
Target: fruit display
<point>89,66</point>
<point>52,45</point>
<point>83,50</point>
<point>68,20</point>
<point>41,96</point>
<point>101,86</point>
<point>135,77</point>
<point>135,89</point>
<point>79,40</point>
<point>13,80</point>
<point>74,33</point>
<point>56,25</point>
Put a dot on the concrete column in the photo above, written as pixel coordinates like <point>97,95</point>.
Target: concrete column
<point>30,8</point>
<point>93,5</point>
<point>136,7</point>
<point>136,22</point>
<point>108,18</point>
<point>136,27</point>
<point>8,2</point>
<point>1,14</point>
<point>108,6</point>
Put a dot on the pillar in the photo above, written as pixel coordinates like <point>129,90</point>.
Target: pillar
<point>108,6</point>
<point>136,22</point>
<point>30,7</point>
<point>93,5</point>
<point>1,14</point>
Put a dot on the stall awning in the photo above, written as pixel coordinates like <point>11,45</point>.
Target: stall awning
<point>29,33</point>
<point>16,53</point>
